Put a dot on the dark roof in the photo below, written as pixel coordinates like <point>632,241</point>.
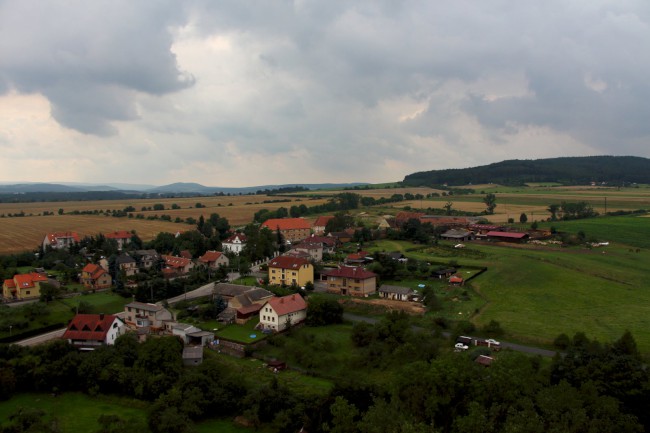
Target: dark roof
<point>124,258</point>
<point>145,307</point>
<point>385,288</point>
<point>257,294</point>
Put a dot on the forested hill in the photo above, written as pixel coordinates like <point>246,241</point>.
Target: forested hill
<point>614,170</point>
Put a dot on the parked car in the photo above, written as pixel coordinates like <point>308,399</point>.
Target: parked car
<point>461,346</point>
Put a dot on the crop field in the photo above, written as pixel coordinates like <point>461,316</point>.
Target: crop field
<point>19,234</point>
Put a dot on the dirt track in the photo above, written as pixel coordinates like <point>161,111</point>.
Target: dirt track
<point>408,307</point>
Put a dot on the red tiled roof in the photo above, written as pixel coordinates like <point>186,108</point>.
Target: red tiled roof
<point>94,270</point>
<point>210,256</point>
<point>176,262</point>
<point>513,235</point>
<point>122,234</point>
<point>233,238</point>
<point>186,254</point>
<point>322,221</point>
<point>329,241</point>
<point>350,272</point>
<point>89,327</point>
<point>25,281</point>
<point>248,309</point>
<point>286,262</point>
<point>52,237</point>
<point>10,284</point>
<point>358,256</point>
<point>484,360</point>
<point>404,216</point>
<point>287,304</point>
<point>286,224</point>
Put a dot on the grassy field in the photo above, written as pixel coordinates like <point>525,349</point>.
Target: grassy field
<point>78,413</point>
<point>241,333</point>
<point>62,310</point>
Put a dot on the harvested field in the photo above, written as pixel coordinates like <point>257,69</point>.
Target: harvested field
<point>390,305</point>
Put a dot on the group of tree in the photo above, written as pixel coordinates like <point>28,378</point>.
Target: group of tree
<point>571,211</point>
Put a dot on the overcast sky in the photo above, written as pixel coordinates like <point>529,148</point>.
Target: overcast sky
<point>242,93</point>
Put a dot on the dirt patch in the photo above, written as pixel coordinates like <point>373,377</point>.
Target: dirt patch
<point>414,308</point>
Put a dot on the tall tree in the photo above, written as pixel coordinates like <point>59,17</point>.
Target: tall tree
<point>490,201</point>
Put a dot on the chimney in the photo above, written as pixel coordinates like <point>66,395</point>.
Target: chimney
<point>101,316</point>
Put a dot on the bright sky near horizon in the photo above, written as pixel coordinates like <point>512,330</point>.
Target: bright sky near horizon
<point>239,93</point>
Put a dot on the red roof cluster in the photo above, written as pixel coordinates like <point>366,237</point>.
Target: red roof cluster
<point>286,224</point>
<point>350,272</point>
<point>513,235</point>
<point>122,234</point>
<point>89,327</point>
<point>287,304</point>
<point>25,281</point>
<point>286,262</point>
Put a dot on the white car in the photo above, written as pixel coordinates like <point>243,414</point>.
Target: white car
<point>492,341</point>
<point>461,346</point>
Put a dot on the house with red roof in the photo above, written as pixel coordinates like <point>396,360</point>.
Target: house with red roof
<point>235,243</point>
<point>122,238</point>
<point>321,222</point>
<point>291,229</point>
<point>277,314</point>
<point>89,331</point>
<point>175,266</point>
<point>328,242</point>
<point>23,286</point>
<point>214,259</point>
<point>60,240</point>
<point>287,270</point>
<point>95,277</point>
<point>350,280</point>
<point>358,258</point>
<point>456,280</point>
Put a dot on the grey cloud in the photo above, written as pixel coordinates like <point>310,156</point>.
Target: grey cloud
<point>90,58</point>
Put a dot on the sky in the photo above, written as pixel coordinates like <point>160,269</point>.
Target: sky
<point>244,93</point>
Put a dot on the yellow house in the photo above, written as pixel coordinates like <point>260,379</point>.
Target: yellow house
<point>290,271</point>
<point>23,286</point>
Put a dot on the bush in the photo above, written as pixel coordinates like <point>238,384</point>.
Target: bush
<point>562,341</point>
<point>493,328</point>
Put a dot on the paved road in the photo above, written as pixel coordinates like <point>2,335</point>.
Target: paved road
<point>504,344</point>
<point>41,338</point>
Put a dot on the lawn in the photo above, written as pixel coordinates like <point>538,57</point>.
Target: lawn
<point>77,412</point>
<point>241,333</point>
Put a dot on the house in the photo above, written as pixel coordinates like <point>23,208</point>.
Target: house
<point>235,243</point>
<point>358,258</point>
<point>402,217</point>
<point>506,236</point>
<point>176,266</point>
<point>60,240</point>
<point>243,301</point>
<point>397,293</point>
<point>127,264</point>
<point>122,238</point>
<point>291,229</point>
<point>290,271</point>
<point>88,331</point>
<point>214,259</point>
<point>313,250</point>
<point>458,235</point>
<point>23,286</point>
<point>351,280</point>
<point>277,314</point>
<point>146,259</point>
<point>328,242</point>
<point>95,277</point>
<point>186,254</point>
<point>342,237</point>
<point>321,222</point>
<point>151,316</point>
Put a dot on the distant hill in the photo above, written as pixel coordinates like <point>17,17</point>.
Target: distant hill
<point>196,188</point>
<point>614,170</point>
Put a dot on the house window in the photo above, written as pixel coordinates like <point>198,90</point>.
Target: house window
<point>272,319</point>
<point>27,292</point>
